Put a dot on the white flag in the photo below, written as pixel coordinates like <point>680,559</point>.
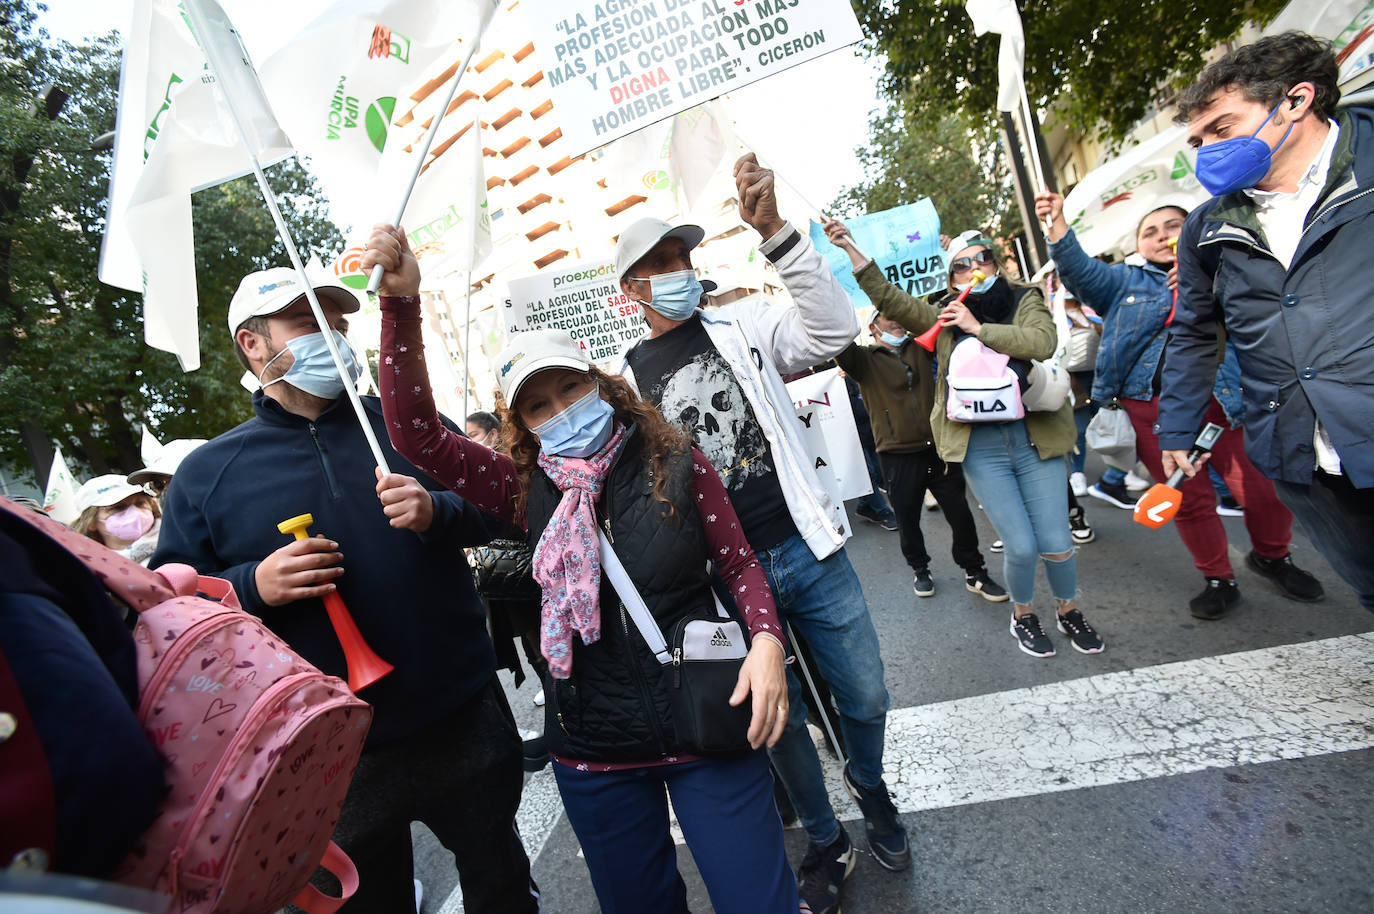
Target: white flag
<point>173,136</point>
<point>150,447</point>
<point>446,219</point>
<point>340,84</point>
<point>702,143</point>
<point>59,499</point>
<point>1002,17</point>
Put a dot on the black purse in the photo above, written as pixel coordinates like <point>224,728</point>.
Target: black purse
<point>702,662</point>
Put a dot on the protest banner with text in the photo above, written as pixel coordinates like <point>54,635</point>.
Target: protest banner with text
<point>583,299</point>
<point>615,66</point>
<point>904,241</point>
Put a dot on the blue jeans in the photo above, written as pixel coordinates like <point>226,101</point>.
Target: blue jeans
<point>1081,417</point>
<point>1027,500</point>
<point>823,601</point>
<point>726,810</point>
<point>1339,519</point>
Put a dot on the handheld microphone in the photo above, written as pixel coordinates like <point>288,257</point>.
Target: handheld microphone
<point>1160,503</point>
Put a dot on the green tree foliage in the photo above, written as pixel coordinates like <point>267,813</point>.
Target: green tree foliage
<point>1099,62</point>
<point>913,156</point>
<point>73,365</point>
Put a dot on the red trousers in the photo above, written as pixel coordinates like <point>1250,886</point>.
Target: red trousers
<point>1268,522</point>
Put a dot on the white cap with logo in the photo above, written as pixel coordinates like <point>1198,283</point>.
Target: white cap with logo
<point>532,351</point>
<point>267,292</point>
<point>641,237</point>
<point>166,461</point>
<point>103,491</point>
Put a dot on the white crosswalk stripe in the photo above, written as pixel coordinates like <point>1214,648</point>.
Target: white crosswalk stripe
<point>1287,702</point>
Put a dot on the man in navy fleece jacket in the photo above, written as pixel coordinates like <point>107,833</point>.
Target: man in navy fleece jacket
<point>443,747</point>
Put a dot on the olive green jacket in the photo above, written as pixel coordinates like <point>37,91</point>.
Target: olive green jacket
<point>1030,335</point>
<point>898,388</point>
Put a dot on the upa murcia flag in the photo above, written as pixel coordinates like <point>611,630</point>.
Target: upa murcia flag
<point>344,88</point>
<point>59,499</point>
<point>173,136</point>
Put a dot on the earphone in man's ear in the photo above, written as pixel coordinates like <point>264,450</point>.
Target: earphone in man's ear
<point>1294,101</point>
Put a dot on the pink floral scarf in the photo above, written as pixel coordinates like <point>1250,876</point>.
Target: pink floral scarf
<point>567,558</point>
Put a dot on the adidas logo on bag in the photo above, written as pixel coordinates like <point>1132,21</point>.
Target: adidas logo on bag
<point>720,638</point>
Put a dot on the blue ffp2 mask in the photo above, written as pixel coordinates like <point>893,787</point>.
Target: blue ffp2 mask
<point>1237,163</point>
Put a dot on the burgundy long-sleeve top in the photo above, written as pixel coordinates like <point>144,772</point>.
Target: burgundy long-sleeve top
<point>488,479</point>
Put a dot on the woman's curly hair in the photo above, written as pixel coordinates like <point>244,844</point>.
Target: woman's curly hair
<point>661,438</point>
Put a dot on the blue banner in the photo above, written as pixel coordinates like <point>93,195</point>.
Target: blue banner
<point>905,243</point>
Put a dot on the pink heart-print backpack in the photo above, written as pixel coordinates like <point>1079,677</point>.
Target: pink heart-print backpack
<point>259,745</point>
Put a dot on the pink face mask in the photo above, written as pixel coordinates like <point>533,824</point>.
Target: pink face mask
<point>129,523</point>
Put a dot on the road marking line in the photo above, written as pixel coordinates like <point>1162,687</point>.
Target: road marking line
<point>1287,702</point>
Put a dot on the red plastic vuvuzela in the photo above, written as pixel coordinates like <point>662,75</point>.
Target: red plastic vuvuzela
<point>927,340</point>
<point>364,665</point>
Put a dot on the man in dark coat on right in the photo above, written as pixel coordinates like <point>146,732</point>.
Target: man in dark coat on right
<point>1281,258</point>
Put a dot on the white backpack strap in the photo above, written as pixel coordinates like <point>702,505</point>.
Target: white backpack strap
<point>634,603</point>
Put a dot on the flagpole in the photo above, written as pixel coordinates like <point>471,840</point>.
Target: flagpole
<point>467,340</point>
<point>193,10</point>
<point>375,280</point>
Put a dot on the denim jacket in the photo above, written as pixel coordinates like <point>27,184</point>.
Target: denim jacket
<point>1134,303</point>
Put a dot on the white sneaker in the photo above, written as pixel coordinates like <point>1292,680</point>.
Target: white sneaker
<point>1135,484</point>
<point>539,699</point>
<point>931,503</point>
<point>1079,484</point>
<point>419,894</point>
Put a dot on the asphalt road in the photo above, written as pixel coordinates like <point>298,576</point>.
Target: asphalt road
<point>1192,766</point>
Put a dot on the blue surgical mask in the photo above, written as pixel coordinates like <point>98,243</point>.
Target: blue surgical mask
<point>675,295</point>
<point>892,339</point>
<point>313,370</point>
<point>580,430</point>
<point>980,287</point>
<point>1237,163</point>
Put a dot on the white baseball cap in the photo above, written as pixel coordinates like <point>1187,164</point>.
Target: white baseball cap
<point>967,240</point>
<point>533,351</point>
<point>641,237</point>
<point>166,461</point>
<point>269,291</point>
<point>103,491</point>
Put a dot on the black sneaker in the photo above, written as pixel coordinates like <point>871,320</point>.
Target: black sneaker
<point>1216,599</point>
<point>886,836</point>
<point>1085,639</point>
<point>923,583</point>
<point>823,871</point>
<point>887,521</point>
<point>985,587</point>
<point>1078,526</point>
<point>1030,637</point>
<point>1112,494</point>
<point>1292,581</point>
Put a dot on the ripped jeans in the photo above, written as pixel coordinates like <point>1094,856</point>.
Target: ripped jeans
<point>1027,500</point>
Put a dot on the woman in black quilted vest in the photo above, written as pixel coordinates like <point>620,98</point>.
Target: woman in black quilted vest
<point>594,468</point>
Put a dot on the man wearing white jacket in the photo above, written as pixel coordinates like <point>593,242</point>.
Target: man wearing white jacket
<point>719,373</point>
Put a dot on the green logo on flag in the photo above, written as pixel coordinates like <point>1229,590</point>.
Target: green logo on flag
<point>657,180</point>
<point>377,119</point>
<point>1181,167</point>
